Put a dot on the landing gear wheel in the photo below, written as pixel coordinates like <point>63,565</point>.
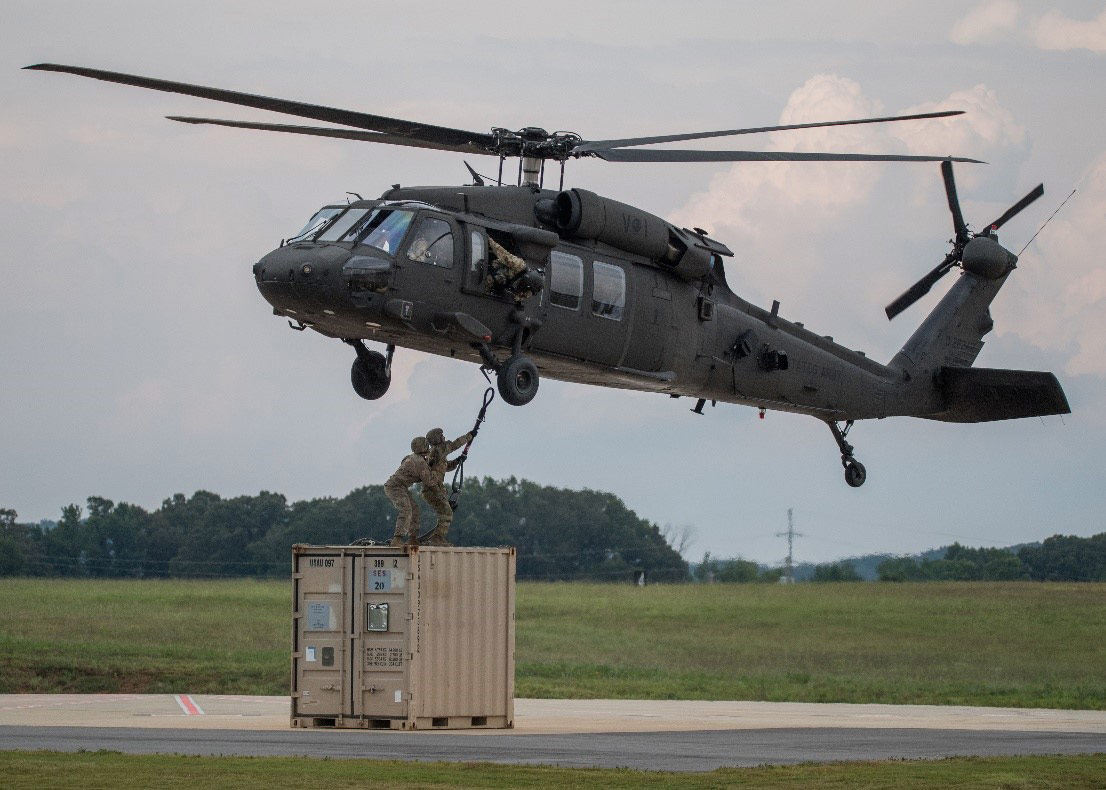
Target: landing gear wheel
<point>855,474</point>
<point>517,380</point>
<point>369,375</point>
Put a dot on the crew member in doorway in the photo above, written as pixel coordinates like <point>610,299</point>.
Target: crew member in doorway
<point>435,493</point>
<point>415,468</point>
<point>507,272</point>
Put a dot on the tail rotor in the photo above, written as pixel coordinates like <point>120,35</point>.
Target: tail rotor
<point>961,238</point>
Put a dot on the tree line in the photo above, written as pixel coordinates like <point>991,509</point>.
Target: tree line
<point>1061,558</point>
<point>559,534</point>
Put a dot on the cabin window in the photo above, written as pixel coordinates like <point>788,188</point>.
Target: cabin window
<point>479,251</point>
<point>338,227</point>
<point>566,280</point>
<point>432,243</point>
<point>320,218</point>
<point>608,291</point>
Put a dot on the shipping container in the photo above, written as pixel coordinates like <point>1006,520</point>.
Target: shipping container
<point>413,637</point>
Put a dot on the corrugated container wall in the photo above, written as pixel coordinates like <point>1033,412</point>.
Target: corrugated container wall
<point>414,637</point>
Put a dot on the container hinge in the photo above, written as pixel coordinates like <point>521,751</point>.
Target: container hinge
<point>296,694</point>
<point>410,576</point>
<point>297,615</point>
<point>297,575</point>
<point>410,656</point>
<point>410,616</point>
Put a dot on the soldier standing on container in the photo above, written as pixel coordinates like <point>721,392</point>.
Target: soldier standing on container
<point>413,469</point>
<point>435,493</point>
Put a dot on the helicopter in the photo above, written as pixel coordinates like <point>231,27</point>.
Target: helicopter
<point>531,282</point>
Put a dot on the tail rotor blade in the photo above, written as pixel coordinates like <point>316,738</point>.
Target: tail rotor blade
<point>954,203</point>
<point>1017,207</point>
<point>920,288</point>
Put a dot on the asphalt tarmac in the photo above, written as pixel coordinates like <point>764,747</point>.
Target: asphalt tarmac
<point>650,735</point>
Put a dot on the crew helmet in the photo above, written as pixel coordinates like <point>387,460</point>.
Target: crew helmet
<point>420,445</point>
<point>435,436</point>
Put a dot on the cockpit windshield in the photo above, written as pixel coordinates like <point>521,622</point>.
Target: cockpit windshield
<point>321,217</point>
<point>386,228</point>
<point>383,228</point>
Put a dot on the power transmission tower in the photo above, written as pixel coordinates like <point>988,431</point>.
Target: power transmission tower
<point>789,569</point>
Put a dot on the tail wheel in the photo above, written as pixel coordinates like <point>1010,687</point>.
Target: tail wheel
<point>517,380</point>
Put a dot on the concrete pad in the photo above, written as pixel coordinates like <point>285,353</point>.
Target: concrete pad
<point>538,716</point>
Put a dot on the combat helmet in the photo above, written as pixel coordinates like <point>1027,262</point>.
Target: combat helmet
<point>435,436</point>
<point>419,445</point>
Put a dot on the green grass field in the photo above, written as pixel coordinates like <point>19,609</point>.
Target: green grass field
<point>109,771</point>
<point>1014,644</point>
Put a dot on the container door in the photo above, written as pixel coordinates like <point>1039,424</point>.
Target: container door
<point>320,659</point>
<point>383,625</point>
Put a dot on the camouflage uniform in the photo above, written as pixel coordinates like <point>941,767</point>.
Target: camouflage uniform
<point>505,266</point>
<point>413,469</point>
<point>435,493</point>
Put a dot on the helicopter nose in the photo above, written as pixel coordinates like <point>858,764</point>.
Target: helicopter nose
<point>301,279</point>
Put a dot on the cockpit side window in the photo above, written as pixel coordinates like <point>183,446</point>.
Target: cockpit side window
<point>432,243</point>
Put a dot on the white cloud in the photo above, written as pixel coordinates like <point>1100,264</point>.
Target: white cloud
<point>1060,296</point>
<point>789,222</point>
<point>742,198</point>
<point>986,22</point>
<point>1056,31</point>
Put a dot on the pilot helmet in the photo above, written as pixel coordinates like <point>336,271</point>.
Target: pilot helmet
<point>419,445</point>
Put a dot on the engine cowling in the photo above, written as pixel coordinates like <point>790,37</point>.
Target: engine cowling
<point>578,213</point>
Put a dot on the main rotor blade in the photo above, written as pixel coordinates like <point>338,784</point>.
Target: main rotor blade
<point>954,203</point>
<point>344,134</point>
<point>621,155</point>
<point>358,120</point>
<point>920,288</point>
<point>1035,193</point>
<point>595,145</point>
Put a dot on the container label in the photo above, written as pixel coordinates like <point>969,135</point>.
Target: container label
<point>310,654</point>
<point>384,657</point>
<point>380,580</point>
<point>399,695</point>
<point>318,617</point>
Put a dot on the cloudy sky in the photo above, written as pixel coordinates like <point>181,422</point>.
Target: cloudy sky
<point>138,359</point>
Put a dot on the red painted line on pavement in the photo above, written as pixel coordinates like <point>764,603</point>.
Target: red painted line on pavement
<point>188,705</point>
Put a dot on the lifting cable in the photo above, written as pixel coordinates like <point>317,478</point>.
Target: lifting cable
<point>459,470</point>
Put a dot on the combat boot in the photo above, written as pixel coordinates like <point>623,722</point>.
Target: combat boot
<point>436,538</point>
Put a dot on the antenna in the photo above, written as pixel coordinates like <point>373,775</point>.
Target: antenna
<point>789,568</point>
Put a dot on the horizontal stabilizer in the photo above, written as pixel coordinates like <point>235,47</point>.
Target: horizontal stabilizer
<point>985,394</point>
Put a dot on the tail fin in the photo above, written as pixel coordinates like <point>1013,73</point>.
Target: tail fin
<point>939,357</point>
<point>952,335</point>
